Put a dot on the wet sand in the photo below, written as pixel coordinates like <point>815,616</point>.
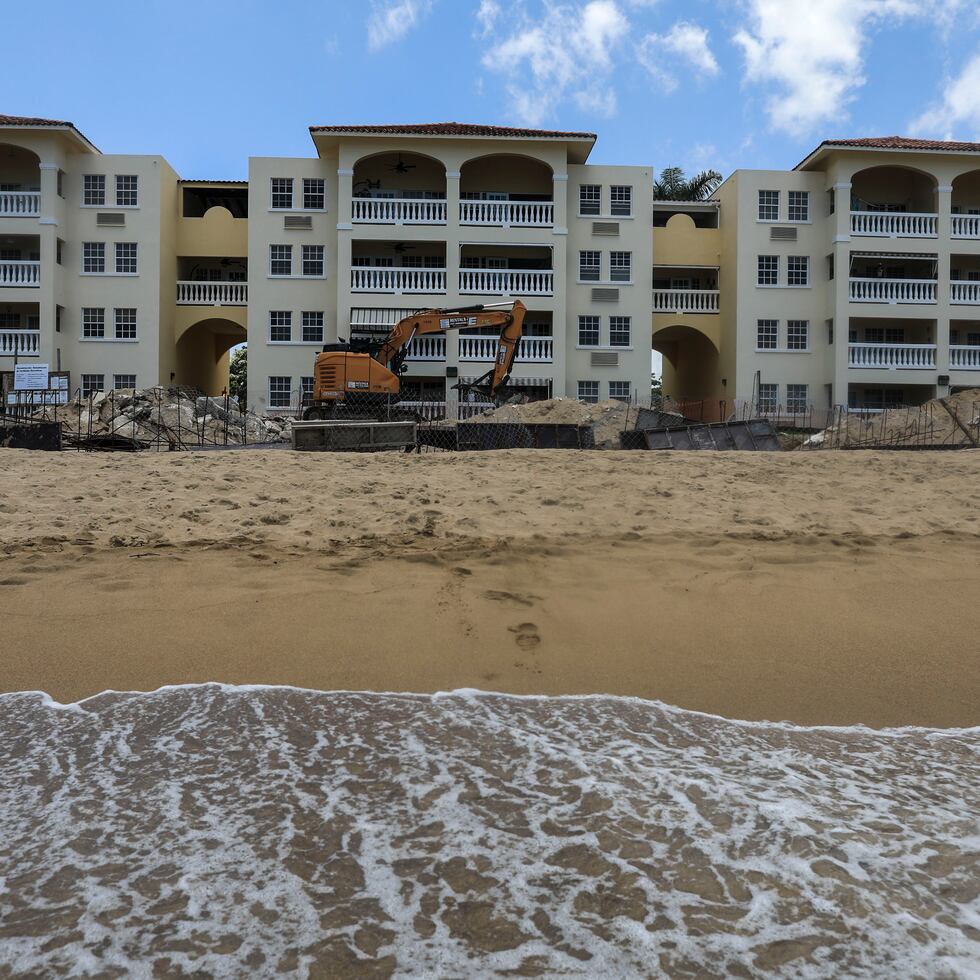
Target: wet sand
<point>824,588</point>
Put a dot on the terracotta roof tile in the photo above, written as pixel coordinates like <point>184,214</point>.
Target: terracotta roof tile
<point>32,121</point>
<point>905,143</point>
<point>452,129</point>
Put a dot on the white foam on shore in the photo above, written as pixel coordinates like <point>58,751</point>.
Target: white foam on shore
<point>257,830</point>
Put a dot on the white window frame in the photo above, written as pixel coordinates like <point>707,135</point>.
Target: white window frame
<point>766,329</point>
<point>322,274</point>
<point>92,322</point>
<point>768,404</point>
<point>116,386</point>
<point>116,324</point>
<point>626,198</point>
<point>794,404</point>
<point>617,265</point>
<point>774,271</point>
<point>768,202</point>
<point>135,257</point>
<point>308,322</point>
<point>272,261</point>
<point>582,265</point>
<point>581,326</point>
<point>801,329</point>
<point>278,390</point>
<point>597,202</point>
<point>791,272</point>
<point>99,255</point>
<point>613,330</point>
<point>86,203</point>
<point>801,207</point>
<point>625,393</point>
<point>587,391</point>
<point>280,319</point>
<point>90,388</point>
<point>273,193</point>
<point>124,190</point>
<point>321,193</point>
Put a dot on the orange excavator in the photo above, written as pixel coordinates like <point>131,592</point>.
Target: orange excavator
<point>360,378</point>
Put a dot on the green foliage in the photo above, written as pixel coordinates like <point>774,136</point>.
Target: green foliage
<point>673,185</point>
<point>238,375</point>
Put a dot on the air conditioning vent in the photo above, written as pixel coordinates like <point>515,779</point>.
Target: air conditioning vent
<point>605,228</point>
<point>108,219</point>
<point>600,295</point>
<point>782,234</point>
<point>605,358</point>
<point>297,222</point>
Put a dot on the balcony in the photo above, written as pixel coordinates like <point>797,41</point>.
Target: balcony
<point>685,301</point>
<point>397,211</point>
<point>20,273</point>
<point>20,204</point>
<point>212,293</point>
<point>964,358</point>
<point>894,224</point>
<point>532,350</point>
<point>507,282</point>
<point>20,343</point>
<point>966,226</point>
<point>964,293</point>
<point>892,290</point>
<point>386,279</point>
<point>428,347</point>
<point>892,357</point>
<point>508,214</point>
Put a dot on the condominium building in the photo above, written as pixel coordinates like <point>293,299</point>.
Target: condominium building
<point>853,279</point>
<point>116,272</point>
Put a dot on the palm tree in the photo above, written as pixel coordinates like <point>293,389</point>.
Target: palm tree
<point>674,186</point>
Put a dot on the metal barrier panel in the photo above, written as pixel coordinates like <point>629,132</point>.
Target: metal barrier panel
<point>45,436</point>
<point>351,436</point>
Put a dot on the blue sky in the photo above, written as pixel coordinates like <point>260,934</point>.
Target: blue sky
<point>703,83</point>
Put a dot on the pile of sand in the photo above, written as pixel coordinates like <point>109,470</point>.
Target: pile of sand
<point>607,418</point>
<point>930,424</point>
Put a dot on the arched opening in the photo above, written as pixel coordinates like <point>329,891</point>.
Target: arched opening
<point>894,190</point>
<point>412,176</point>
<point>690,371</point>
<point>966,205</point>
<point>20,181</point>
<point>506,190</point>
<point>203,354</point>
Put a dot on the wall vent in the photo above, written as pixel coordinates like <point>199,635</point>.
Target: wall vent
<point>605,358</point>
<point>109,219</point>
<point>782,234</point>
<point>297,222</point>
<point>605,228</point>
<point>600,295</point>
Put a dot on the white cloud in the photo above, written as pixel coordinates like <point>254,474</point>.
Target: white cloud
<point>684,41</point>
<point>960,106</point>
<point>390,21</point>
<point>812,53</point>
<point>567,51</point>
<point>486,16</point>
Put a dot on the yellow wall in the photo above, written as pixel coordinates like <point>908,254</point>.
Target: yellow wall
<point>217,235</point>
<point>680,242</point>
<point>188,316</point>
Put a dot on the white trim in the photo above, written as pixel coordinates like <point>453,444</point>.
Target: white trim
<point>112,275</point>
<point>841,239</point>
<point>44,166</point>
<point>603,282</point>
<point>48,221</point>
<point>344,172</point>
<point>453,174</point>
<point>345,226</point>
<point>843,186</point>
<point>109,207</point>
<point>783,350</point>
<point>601,347</point>
<point>945,188</point>
<point>559,177</point>
<point>559,231</point>
<point>108,340</point>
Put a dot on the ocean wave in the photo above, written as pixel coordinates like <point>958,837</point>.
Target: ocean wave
<point>276,831</point>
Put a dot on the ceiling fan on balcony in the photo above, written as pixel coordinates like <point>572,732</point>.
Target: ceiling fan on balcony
<point>401,247</point>
<point>401,167</point>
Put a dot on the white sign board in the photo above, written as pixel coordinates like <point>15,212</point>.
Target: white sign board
<point>31,377</point>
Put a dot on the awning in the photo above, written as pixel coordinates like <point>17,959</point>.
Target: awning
<point>515,382</point>
<point>928,256</point>
<point>378,318</point>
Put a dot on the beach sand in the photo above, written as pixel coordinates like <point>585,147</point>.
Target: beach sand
<point>820,588</point>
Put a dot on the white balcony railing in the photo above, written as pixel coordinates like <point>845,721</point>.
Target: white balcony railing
<point>892,357</point>
<point>397,211</point>
<point>23,343</point>
<point>212,293</point>
<point>894,224</point>
<point>20,273</point>
<point>428,347</point>
<point>507,282</point>
<point>20,204</point>
<point>366,279</point>
<point>685,301</point>
<point>966,226</point>
<point>507,214</point>
<point>964,358</point>
<point>893,290</point>
<point>964,293</point>
<point>532,350</point>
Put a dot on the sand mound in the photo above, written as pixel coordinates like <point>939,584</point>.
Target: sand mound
<point>950,421</point>
<point>607,418</point>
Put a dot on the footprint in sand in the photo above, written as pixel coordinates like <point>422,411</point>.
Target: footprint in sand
<point>526,635</point>
<point>518,600</point>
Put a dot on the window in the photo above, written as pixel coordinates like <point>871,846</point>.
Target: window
<point>280,260</point>
<point>769,205</point>
<point>120,381</point>
<point>313,197</point>
<point>797,334</point>
<point>799,205</point>
<point>282,193</point>
<point>768,398</point>
<point>796,399</point>
<point>126,323</point>
<point>93,257</point>
<point>620,390</point>
<point>126,190</point>
<point>91,383</point>
<point>798,270</point>
<point>279,391</point>
<point>768,270</point>
<point>621,201</point>
<point>589,199</point>
<point>620,266</point>
<point>767,335</point>
<point>312,327</point>
<point>126,258</point>
<point>93,190</point>
<point>313,261</point>
<point>280,326</point>
<point>619,331</point>
<point>306,388</point>
<point>93,322</point>
<point>588,331</point>
<point>894,335</point>
<point>588,391</point>
<point>588,266</point>
<point>972,339</point>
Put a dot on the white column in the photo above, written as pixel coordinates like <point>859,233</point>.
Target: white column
<point>452,261</point>
<point>560,324</point>
<point>944,207</point>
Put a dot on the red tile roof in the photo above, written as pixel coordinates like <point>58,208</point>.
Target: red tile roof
<point>894,143</point>
<point>453,129</point>
<point>24,121</point>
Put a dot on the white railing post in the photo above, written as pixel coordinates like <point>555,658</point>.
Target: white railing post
<point>20,273</point>
<point>532,350</point>
<point>966,226</point>
<point>962,358</point>
<point>191,293</point>
<point>964,293</point>
<point>892,357</point>
<point>685,301</point>
<point>20,204</point>
<point>398,211</point>
<point>894,224</point>
<point>892,290</point>
<point>387,279</point>
<point>507,282</point>
<point>504,214</point>
<point>23,343</point>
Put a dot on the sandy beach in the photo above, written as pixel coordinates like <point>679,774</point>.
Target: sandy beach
<point>822,588</point>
